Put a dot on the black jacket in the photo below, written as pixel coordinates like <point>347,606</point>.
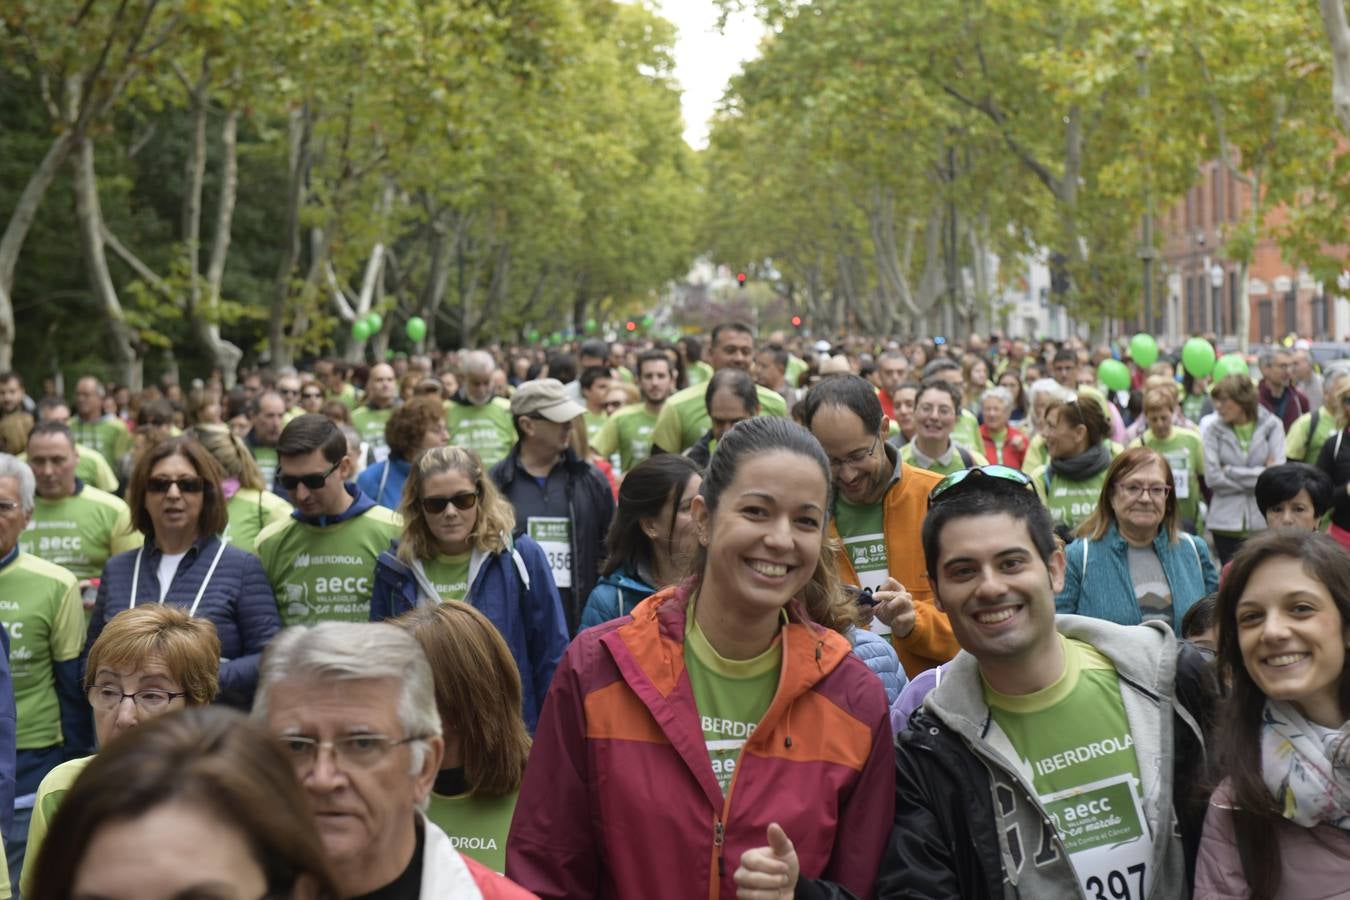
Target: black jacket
<point>590,506</point>
<point>944,843</point>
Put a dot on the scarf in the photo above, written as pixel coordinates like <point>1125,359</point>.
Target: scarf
<point>1306,768</point>
<point>1084,465</point>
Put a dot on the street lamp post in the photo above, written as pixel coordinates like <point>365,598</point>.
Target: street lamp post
<point>1216,282</point>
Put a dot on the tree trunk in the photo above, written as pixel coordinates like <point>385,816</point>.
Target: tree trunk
<point>1338,32</point>
<point>300,133</point>
<point>121,339</point>
<point>16,231</point>
<point>224,355</point>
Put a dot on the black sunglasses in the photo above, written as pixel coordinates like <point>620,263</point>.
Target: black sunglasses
<point>436,505</point>
<point>187,485</point>
<point>311,481</point>
<point>311,395</point>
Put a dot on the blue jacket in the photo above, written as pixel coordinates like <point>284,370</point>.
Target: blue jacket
<point>514,590</point>
<point>880,657</point>
<point>369,481</point>
<point>238,600</point>
<point>1098,584</point>
<point>614,595</point>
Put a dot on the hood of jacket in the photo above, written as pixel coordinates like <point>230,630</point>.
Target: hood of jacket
<point>361,503</point>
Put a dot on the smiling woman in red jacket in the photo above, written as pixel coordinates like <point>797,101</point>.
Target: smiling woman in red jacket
<point>672,739</point>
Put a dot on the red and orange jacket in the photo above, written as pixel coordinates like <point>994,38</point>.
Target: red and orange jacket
<point>620,800</point>
<point>904,506</point>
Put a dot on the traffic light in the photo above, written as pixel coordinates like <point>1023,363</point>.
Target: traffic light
<point>740,279</point>
<point>630,325</point>
<point>796,321</point>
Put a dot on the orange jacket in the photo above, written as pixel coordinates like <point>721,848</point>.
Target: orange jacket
<point>905,504</point>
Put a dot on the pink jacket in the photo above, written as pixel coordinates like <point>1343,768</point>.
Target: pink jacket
<point>620,800</point>
<point>1314,863</point>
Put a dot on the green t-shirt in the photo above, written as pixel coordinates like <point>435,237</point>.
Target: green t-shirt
<point>53,789</point>
<point>323,573</point>
<point>267,460</point>
<point>684,418</point>
<point>698,373</point>
<point>449,575</point>
<point>108,435</point>
<point>1186,455</point>
<point>628,433</point>
<point>594,422</point>
<point>487,430</point>
<point>966,432</point>
<point>1298,447</point>
<point>1244,435</point>
<point>369,423</point>
<point>1070,502</point>
<point>477,826</point>
<point>1036,455</point>
<point>41,610</point>
<point>862,530</point>
<point>731,695</point>
<point>1074,744</point>
<point>249,512</point>
<point>795,367</point>
<point>80,532</point>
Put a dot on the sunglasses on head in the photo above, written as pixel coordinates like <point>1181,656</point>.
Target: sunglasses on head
<point>1003,473</point>
<point>186,485</point>
<point>313,481</point>
<point>436,505</point>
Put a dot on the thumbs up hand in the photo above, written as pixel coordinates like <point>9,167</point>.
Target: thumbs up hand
<point>768,873</point>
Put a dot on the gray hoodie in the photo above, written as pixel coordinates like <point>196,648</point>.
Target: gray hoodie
<point>1145,661</point>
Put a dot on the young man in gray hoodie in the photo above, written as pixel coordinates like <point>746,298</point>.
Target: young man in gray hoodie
<point>1059,756</point>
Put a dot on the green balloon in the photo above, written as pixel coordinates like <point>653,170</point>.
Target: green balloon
<point>533,335</point>
<point>590,326</point>
<point>416,328</point>
<point>1231,364</point>
<point>360,330</point>
<point>1198,357</point>
<point>375,321</point>
<point>1143,350</point>
<point>1114,374</point>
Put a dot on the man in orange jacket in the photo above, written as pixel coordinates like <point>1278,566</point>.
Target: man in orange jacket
<point>879,507</point>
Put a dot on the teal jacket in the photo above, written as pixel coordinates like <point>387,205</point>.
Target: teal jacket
<point>1097,582</point>
<point>614,595</point>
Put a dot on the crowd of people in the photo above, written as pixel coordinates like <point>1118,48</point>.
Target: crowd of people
<point>736,616</point>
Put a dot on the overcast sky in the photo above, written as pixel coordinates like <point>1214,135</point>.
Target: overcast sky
<point>705,58</point>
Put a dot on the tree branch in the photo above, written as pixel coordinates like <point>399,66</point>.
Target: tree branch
<point>142,271</point>
<point>1338,33</point>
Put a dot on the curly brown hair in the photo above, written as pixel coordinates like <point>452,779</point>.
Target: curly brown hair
<point>408,425</point>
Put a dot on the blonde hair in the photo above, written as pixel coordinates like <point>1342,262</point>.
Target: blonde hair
<point>188,647</point>
<point>496,518</point>
<point>478,692</point>
<point>231,453</point>
<point>1160,398</point>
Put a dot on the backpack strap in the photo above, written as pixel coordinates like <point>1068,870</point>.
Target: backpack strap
<point>1312,431</point>
<point>966,459</point>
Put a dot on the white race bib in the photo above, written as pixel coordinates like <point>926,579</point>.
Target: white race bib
<point>554,536</point>
<point>867,552</point>
<point>1180,461</point>
<point>1103,827</point>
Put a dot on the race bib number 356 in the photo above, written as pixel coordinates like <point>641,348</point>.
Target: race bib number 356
<point>554,536</point>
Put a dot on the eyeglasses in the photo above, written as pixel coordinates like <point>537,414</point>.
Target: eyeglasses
<point>359,751</point>
<point>614,404</point>
<point>436,505</point>
<point>1135,491</point>
<point>856,458</point>
<point>1002,473</point>
<point>312,481</point>
<point>104,697</point>
<point>186,485</point>
<point>311,395</point>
